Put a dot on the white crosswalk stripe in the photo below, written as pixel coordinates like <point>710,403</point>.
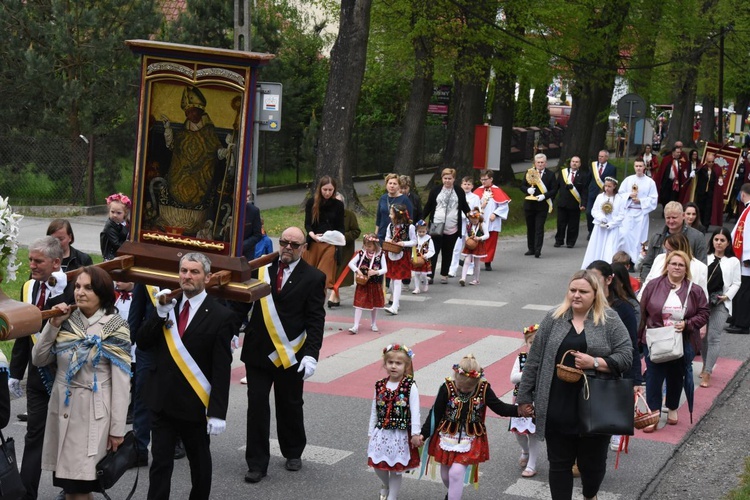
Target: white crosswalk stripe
<point>537,307</point>
<point>529,488</point>
<point>487,350</point>
<point>316,454</point>
<point>482,303</point>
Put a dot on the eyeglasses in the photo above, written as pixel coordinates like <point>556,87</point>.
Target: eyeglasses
<point>284,244</point>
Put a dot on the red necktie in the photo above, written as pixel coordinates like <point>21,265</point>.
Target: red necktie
<point>280,275</point>
<point>601,169</point>
<point>572,177</point>
<point>183,318</point>
<point>42,296</point>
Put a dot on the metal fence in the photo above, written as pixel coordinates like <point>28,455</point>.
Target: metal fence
<point>55,170</point>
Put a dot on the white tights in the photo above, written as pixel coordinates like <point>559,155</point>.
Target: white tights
<point>453,479</point>
<point>391,482</point>
<point>358,317</point>
<point>396,286</point>
<point>530,446</point>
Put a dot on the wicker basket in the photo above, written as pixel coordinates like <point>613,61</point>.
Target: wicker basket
<point>566,373</point>
<point>390,246</point>
<point>361,280</point>
<point>418,261</point>
<point>471,243</point>
<point>647,418</point>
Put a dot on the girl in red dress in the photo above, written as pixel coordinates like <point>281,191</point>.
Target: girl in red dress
<point>476,229</point>
<point>401,232</point>
<point>455,425</point>
<point>368,263</point>
<point>394,421</point>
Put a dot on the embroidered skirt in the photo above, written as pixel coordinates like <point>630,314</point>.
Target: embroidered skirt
<point>399,269</point>
<point>479,251</point>
<point>478,451</point>
<point>369,296</point>
<point>522,425</point>
<point>391,450</point>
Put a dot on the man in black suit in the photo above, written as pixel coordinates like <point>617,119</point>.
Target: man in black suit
<point>600,170</point>
<point>188,382</point>
<point>45,256</point>
<point>572,185</point>
<point>536,210</point>
<point>282,353</point>
<point>253,230</point>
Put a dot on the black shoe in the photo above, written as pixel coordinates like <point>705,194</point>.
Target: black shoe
<point>331,304</point>
<point>487,266</point>
<point>293,464</point>
<point>254,476</point>
<point>530,252</point>
<point>429,281</point>
<point>538,254</point>
<point>557,245</point>
<point>179,450</point>
<point>571,246</point>
<point>737,329</point>
<point>23,417</point>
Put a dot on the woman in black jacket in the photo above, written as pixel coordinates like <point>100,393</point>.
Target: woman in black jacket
<point>444,206</point>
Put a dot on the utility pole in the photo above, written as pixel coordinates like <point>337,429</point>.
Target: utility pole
<point>242,39</point>
<point>721,85</point>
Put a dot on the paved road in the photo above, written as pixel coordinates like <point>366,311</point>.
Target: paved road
<point>441,326</point>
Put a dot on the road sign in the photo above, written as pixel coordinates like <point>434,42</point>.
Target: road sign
<point>269,106</point>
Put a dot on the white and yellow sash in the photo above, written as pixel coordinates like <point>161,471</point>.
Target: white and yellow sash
<point>595,173</point>
<point>543,189</point>
<point>185,362</point>
<point>28,296</point>
<point>286,350</point>
<point>574,191</point>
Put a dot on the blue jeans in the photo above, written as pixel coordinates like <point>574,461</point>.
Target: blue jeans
<point>141,414</point>
<point>671,371</point>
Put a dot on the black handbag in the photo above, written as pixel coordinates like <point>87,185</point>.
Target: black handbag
<point>605,406</point>
<point>111,468</point>
<point>11,486</point>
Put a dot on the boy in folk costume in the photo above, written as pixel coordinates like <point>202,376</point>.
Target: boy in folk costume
<point>495,207</point>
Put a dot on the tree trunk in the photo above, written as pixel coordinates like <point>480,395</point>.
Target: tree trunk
<point>409,150</point>
<point>348,58</point>
<point>708,127</point>
<point>742,101</point>
<point>502,116</point>
<point>683,115</point>
<point>467,109</point>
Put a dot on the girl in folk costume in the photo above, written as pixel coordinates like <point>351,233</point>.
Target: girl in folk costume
<point>608,212</point>
<point>394,421</point>
<point>476,234</point>
<point>424,249</point>
<point>524,427</point>
<point>368,265</point>
<point>116,228</point>
<point>401,232</point>
<point>456,428</point>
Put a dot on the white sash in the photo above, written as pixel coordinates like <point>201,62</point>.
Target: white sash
<point>573,191</point>
<point>286,350</point>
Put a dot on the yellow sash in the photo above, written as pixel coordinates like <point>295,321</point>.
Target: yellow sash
<point>286,350</point>
<point>543,189</point>
<point>27,291</point>
<point>185,362</point>
<point>573,191</point>
<point>595,173</point>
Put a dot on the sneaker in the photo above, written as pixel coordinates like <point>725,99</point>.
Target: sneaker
<point>375,328</point>
<point>474,282</point>
<point>614,443</point>
<point>353,331</point>
<point>243,380</point>
<point>391,310</point>
<point>415,291</point>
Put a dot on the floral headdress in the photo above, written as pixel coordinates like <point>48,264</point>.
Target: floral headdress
<point>8,239</point>
<point>420,223</point>
<point>531,329</point>
<point>471,374</point>
<point>120,198</point>
<point>398,347</point>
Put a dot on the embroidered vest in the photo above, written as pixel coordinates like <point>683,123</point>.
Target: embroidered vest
<point>364,265</point>
<point>521,361</point>
<point>392,407</point>
<point>473,424</point>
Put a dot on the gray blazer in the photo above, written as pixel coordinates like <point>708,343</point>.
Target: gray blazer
<point>610,339</point>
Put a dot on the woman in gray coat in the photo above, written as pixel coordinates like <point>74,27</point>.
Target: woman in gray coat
<point>585,324</point>
<point>89,401</point>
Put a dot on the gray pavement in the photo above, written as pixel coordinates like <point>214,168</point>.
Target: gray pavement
<point>702,461</point>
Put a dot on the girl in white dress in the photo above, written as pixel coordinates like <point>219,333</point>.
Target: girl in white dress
<point>608,212</point>
<point>394,421</point>
<point>524,427</point>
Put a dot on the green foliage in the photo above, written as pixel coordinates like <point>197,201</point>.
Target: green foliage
<point>522,110</point>
<point>540,107</point>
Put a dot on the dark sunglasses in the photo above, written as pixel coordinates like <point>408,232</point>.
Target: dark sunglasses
<point>284,244</point>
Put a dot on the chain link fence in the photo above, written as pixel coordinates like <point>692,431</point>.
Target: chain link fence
<point>55,170</point>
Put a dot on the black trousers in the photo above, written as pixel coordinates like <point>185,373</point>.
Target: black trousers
<point>164,433</point>
<point>535,228</point>
<point>568,222</point>
<point>443,244</point>
<point>563,450</point>
<point>290,422</point>
<point>37,401</point>
<point>740,308</point>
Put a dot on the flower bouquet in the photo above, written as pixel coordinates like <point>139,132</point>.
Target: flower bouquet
<point>9,229</point>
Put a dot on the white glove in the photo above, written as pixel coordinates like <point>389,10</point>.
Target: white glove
<point>692,174</point>
<point>215,426</point>
<point>165,120</point>
<point>163,309</point>
<point>235,343</point>
<point>308,365</point>
<point>530,191</point>
<point>14,386</point>
<point>61,282</point>
<point>541,197</point>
